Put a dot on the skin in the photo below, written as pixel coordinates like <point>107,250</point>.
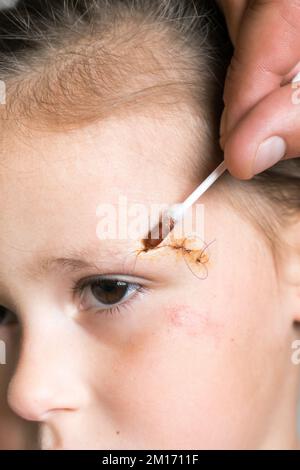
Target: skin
<point>266,36</point>
<point>15,433</point>
<point>188,363</point>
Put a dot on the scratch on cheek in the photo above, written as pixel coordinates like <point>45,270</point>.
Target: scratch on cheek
<point>194,322</point>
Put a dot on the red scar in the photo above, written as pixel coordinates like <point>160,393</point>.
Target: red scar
<point>195,322</point>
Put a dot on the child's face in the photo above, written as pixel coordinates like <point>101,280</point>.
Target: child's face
<point>183,363</point>
<point>14,433</point>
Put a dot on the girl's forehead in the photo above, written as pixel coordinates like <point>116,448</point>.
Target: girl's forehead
<point>52,184</point>
<point>165,137</point>
<point>143,158</point>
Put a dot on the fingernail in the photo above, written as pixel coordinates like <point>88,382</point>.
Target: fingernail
<point>268,153</point>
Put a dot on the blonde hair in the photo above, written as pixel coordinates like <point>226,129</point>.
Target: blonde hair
<point>66,62</point>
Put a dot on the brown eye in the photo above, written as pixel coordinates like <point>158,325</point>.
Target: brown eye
<point>109,291</point>
<point>102,293</point>
<point>7,317</point>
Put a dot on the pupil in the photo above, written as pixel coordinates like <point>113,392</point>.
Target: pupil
<point>109,292</point>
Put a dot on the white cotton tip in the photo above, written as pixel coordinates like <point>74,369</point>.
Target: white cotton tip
<point>296,79</point>
<point>178,210</point>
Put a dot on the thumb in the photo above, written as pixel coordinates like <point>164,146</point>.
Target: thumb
<point>268,133</point>
<point>233,11</point>
<point>267,49</point>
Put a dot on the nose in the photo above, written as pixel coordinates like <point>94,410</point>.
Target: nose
<point>46,378</point>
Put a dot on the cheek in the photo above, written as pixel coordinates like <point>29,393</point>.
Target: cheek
<point>164,379</point>
<point>192,321</point>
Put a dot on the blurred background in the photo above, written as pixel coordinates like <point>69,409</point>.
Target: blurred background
<point>7,3</point>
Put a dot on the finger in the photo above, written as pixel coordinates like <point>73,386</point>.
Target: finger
<point>267,49</point>
<point>233,11</point>
<point>249,151</point>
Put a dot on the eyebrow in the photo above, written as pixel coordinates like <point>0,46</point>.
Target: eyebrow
<point>78,259</point>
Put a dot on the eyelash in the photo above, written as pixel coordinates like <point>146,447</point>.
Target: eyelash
<point>78,288</point>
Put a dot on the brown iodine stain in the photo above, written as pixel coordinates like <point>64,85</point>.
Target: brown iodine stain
<point>164,227</point>
<point>193,250</point>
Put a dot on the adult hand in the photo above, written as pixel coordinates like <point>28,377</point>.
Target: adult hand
<point>261,121</point>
